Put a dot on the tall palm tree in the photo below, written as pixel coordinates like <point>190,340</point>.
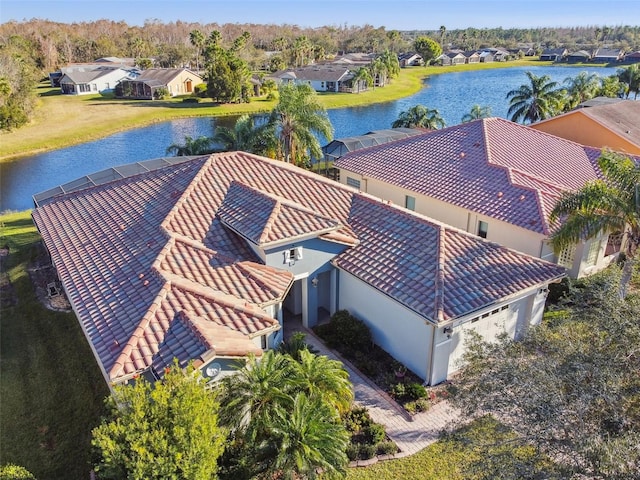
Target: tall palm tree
<point>319,376</point>
<point>631,77</point>
<point>582,87</point>
<point>535,101</point>
<point>191,146</point>
<point>603,206</point>
<point>307,440</point>
<point>443,32</point>
<point>476,113</point>
<point>297,121</point>
<point>419,116</point>
<point>197,39</point>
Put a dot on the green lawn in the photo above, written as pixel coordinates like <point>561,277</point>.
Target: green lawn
<point>51,389</point>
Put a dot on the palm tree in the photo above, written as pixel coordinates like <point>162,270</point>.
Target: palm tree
<point>536,101</point>
<point>582,87</point>
<point>245,136</point>
<point>249,398</point>
<point>609,205</point>
<point>477,112</point>
<point>419,116</point>
<point>297,121</point>
<point>198,146</point>
<point>362,76</point>
<point>443,32</point>
<point>197,39</point>
<point>319,376</point>
<point>631,77</point>
<point>306,440</point>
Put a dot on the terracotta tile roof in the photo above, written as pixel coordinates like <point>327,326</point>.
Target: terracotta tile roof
<point>265,219</point>
<point>256,283</point>
<point>153,273</point>
<point>435,270</point>
<point>491,166</point>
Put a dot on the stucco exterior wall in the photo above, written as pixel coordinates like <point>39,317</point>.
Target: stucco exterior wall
<point>397,330</point>
<point>577,127</point>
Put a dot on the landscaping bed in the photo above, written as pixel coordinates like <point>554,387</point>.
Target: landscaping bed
<point>352,339</point>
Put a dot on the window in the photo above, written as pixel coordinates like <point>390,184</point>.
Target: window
<point>592,254</point>
<point>614,243</point>
<point>293,254</point>
<point>409,202</point>
<point>352,182</point>
<point>84,87</point>
<point>263,342</point>
<point>94,87</point>
<point>566,256</point>
<point>483,228</point>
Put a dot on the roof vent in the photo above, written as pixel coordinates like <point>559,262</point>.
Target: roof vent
<point>462,154</point>
<point>500,194</point>
<point>521,197</point>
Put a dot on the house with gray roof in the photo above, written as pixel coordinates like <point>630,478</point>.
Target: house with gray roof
<point>608,55</point>
<point>492,178</point>
<point>84,79</point>
<point>176,81</point>
<point>322,78</point>
<point>205,258</point>
<point>554,54</point>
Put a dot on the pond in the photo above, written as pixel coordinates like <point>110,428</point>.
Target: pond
<point>453,94</point>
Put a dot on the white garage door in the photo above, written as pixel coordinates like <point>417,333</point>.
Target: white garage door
<point>488,326</point>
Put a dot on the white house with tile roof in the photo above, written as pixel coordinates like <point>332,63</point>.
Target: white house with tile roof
<point>200,259</point>
<point>493,178</point>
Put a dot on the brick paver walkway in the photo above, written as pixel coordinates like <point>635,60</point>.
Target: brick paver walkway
<point>411,434</point>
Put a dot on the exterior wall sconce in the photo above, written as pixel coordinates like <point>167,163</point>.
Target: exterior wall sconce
<point>314,282</point>
<point>447,331</point>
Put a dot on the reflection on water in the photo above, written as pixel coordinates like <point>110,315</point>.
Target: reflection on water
<point>452,94</point>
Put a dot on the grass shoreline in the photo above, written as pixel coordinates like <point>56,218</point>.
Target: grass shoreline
<point>62,121</point>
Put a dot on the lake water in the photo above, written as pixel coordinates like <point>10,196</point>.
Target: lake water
<point>453,94</point>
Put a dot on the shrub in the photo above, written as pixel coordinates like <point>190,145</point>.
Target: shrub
<point>367,451</point>
<point>387,448</point>
<point>374,433</point>
<point>414,391</point>
<point>398,391</point>
<point>15,472</point>
<point>191,100</point>
<point>354,334</point>
<point>200,90</point>
<point>417,406</point>
<point>353,450</point>
<point>357,419</point>
<point>161,93</point>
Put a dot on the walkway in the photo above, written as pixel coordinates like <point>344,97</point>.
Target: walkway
<point>410,434</point>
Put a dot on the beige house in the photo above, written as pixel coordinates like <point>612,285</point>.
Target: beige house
<point>177,81</point>
<point>612,125</point>
<point>493,178</point>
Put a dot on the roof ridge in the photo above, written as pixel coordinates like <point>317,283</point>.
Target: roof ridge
<point>438,310</point>
<point>273,216</point>
<point>245,266</point>
<point>191,323</point>
<point>186,194</point>
<point>138,332</point>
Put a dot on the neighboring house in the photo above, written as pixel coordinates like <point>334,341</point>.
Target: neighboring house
<point>454,58</point>
<point>491,177</point>
<point>88,79</point>
<point>410,59</point>
<point>608,55</point>
<point>471,57</point>
<point>206,258</point>
<point>341,146</point>
<point>632,57</point>
<point>486,57</point>
<point>177,81</point>
<point>554,54</point>
<point>353,60</point>
<point>581,56</point>
<point>614,124</point>
<point>322,78</point>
